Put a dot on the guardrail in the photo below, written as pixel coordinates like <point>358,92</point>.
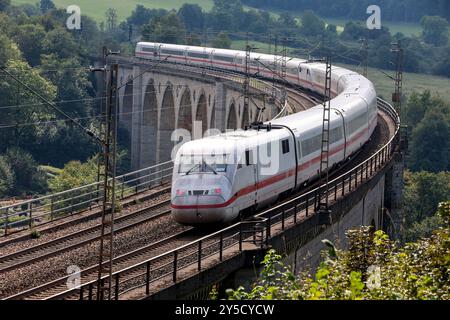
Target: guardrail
<point>168,266</point>
<point>27,214</point>
<point>45,209</point>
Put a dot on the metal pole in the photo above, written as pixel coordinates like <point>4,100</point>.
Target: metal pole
<point>105,266</point>
<point>324,156</point>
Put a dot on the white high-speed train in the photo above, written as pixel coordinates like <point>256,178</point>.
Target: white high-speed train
<point>217,178</point>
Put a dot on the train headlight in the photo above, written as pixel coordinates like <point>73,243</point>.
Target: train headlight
<point>181,193</point>
<point>215,192</point>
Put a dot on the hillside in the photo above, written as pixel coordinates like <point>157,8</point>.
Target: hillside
<point>96,9</point>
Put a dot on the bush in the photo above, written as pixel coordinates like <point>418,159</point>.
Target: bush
<point>374,268</point>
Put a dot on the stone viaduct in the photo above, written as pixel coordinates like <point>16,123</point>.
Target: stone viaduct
<point>155,104</point>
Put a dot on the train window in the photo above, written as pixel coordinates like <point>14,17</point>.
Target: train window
<point>336,135</point>
<point>247,157</point>
<point>198,55</point>
<point>357,123</point>
<point>223,58</point>
<point>311,145</point>
<point>292,71</point>
<point>147,49</point>
<point>285,146</point>
<point>172,52</point>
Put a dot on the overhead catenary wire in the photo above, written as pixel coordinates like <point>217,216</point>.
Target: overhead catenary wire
<point>51,105</point>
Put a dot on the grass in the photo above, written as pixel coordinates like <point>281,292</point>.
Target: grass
<point>411,82</point>
<point>97,8</point>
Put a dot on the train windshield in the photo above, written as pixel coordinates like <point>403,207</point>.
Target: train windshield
<point>202,164</point>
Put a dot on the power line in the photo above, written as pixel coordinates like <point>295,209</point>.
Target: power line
<point>51,104</point>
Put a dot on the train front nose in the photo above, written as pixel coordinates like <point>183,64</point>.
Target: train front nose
<point>201,199</point>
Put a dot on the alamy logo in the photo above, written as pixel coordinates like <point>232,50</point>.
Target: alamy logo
<point>74,279</point>
<point>74,21</point>
<point>374,21</point>
<point>374,277</point>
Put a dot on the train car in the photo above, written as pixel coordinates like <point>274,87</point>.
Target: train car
<point>217,179</point>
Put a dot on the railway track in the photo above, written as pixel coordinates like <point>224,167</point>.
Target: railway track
<point>55,287</point>
<point>80,238</point>
<point>81,218</point>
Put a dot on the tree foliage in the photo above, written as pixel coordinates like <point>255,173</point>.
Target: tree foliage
<point>373,268</point>
<point>7,178</point>
<point>192,16</point>
<point>4,4</point>
<point>22,173</point>
<point>428,120</point>
<point>75,174</point>
<point>222,41</point>
<point>168,28</point>
<point>46,5</point>
<point>311,24</point>
<point>435,30</point>
<point>422,194</point>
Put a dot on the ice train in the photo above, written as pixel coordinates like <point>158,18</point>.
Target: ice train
<point>218,178</point>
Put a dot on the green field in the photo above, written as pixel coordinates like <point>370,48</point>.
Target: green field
<point>411,82</point>
<point>97,8</point>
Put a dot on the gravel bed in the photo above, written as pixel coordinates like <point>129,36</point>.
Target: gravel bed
<point>63,231</point>
<point>56,267</point>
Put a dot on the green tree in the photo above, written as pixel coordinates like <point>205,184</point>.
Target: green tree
<point>111,19</point>
<point>75,174</point>
<point>168,29</point>
<point>72,82</point>
<point>61,43</point>
<point>226,15</point>
<point>7,178</point>
<point>30,38</point>
<point>8,49</point>
<point>192,16</point>
<point>46,5</point>
<point>193,40</point>
<point>28,177</point>
<point>373,268</point>
<point>417,106</point>
<point>4,4</point>
<point>421,196</point>
<point>141,15</point>
<point>222,41</point>
<point>30,115</point>
<point>312,25</point>
<point>430,145</point>
<point>435,30</point>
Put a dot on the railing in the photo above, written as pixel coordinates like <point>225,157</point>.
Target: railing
<point>42,210</point>
<point>169,266</point>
